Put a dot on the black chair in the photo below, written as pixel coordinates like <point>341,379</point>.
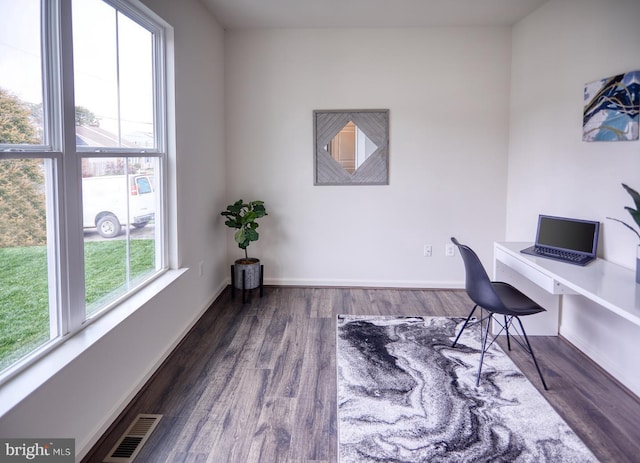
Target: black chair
<point>497,298</point>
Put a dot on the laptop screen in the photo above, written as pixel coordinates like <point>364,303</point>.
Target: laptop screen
<point>568,234</point>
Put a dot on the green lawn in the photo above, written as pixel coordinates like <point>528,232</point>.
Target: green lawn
<point>24,295</point>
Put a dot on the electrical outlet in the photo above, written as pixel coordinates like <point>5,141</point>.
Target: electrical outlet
<point>449,250</point>
<point>427,250</point>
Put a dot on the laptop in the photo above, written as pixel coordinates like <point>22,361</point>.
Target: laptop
<point>574,241</point>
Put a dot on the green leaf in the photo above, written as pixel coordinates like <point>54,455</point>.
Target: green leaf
<point>634,195</point>
<point>236,207</point>
<point>259,209</point>
<point>248,217</point>
<point>252,235</point>
<point>635,214</point>
<point>239,236</point>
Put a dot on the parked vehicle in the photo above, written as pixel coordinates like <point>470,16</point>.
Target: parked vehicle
<point>106,200</point>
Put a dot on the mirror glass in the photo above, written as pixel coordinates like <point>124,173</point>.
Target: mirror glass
<point>351,147</point>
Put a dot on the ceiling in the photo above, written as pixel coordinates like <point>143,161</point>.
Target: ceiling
<point>242,14</point>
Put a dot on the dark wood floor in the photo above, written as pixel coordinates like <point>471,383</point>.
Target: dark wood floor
<point>257,382</point>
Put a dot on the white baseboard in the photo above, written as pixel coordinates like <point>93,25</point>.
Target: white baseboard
<point>409,284</point>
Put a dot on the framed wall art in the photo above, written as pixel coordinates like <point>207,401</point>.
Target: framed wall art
<point>611,108</point>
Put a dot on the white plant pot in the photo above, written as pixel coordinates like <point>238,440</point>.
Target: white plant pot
<point>638,264</point>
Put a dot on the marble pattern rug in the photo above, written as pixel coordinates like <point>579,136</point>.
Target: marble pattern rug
<point>406,396</point>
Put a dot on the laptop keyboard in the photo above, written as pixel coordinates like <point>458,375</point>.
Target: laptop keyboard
<point>557,254</point>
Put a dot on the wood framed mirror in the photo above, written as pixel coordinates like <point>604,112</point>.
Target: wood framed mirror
<point>351,147</point>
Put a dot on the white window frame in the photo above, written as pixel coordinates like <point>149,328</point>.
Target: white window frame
<point>63,175</point>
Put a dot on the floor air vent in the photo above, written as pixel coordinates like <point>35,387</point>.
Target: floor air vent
<point>133,439</point>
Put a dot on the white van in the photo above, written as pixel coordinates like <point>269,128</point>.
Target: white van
<point>106,199</point>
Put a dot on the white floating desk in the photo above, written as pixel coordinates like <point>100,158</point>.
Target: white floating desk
<point>609,285</point>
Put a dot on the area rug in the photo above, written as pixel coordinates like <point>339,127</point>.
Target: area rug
<point>406,396</point>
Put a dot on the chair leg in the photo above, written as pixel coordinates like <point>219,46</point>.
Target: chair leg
<point>465,325</point>
<point>524,334</point>
<point>506,329</point>
<point>483,341</point>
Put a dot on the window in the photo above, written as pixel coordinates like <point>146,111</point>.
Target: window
<point>81,166</point>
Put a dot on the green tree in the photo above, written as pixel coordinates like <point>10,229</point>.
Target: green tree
<point>22,202</point>
<point>15,125</point>
<point>85,117</point>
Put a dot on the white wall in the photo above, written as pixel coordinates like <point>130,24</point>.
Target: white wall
<point>556,50</point>
<point>448,95</point>
<point>447,90</point>
<point>84,398</point>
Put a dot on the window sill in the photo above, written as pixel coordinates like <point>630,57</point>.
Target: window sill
<point>19,387</point>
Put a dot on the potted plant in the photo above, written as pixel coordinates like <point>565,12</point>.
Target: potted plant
<point>243,218</point>
<point>635,215</point>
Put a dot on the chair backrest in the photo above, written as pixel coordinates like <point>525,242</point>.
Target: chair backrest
<point>477,282</point>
